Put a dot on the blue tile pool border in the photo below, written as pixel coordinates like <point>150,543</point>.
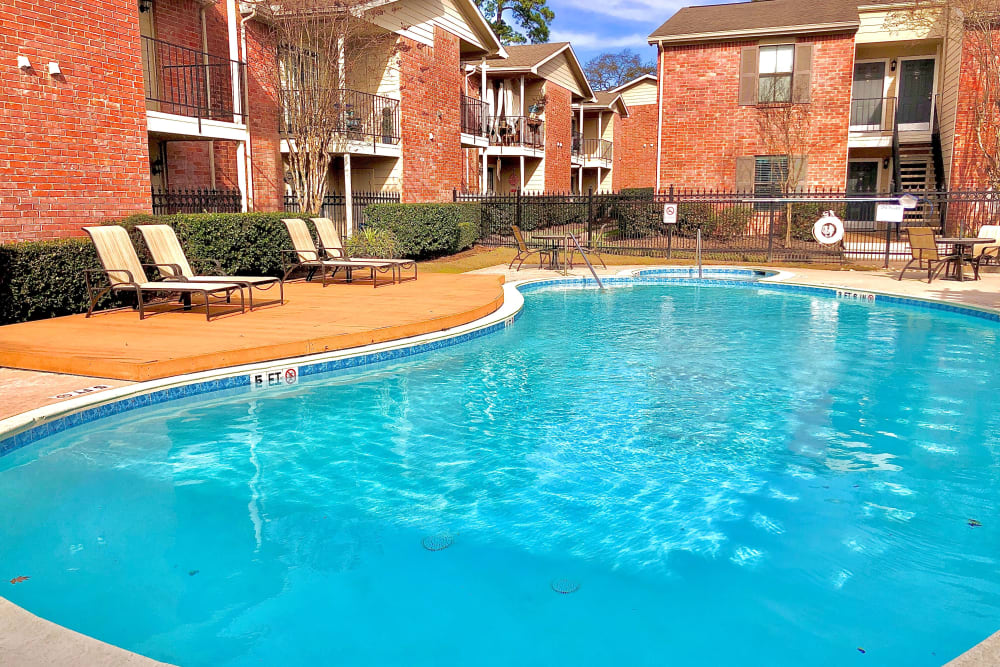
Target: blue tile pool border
<point>735,278</point>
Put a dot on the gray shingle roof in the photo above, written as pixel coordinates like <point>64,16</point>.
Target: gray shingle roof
<point>761,15</point>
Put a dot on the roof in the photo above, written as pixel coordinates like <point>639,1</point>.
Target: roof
<point>529,58</point>
<point>606,100</point>
<point>764,17</point>
<point>526,56</point>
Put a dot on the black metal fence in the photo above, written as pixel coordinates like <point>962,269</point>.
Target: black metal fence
<point>335,207</point>
<point>188,82</point>
<point>735,226</point>
<point>168,202</point>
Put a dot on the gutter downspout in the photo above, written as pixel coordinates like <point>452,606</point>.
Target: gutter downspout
<point>659,111</point>
<point>248,153</point>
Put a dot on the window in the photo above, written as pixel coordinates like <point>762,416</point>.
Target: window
<point>777,64</point>
<point>769,179</point>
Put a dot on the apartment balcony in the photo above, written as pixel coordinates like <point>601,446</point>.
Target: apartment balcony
<point>475,123</point>
<point>874,120</point>
<point>365,123</point>
<point>192,94</point>
<point>517,136</point>
<point>596,153</point>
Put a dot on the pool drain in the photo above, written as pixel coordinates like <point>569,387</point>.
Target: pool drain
<point>565,586</point>
<point>437,542</point>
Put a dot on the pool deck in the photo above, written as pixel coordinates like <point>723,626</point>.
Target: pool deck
<point>73,353</point>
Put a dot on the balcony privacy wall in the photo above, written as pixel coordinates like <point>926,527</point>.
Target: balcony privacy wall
<point>72,146</point>
<point>558,137</point>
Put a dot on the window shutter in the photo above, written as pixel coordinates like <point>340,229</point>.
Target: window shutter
<point>745,170</point>
<point>748,75</point>
<point>798,168</point>
<point>802,79</point>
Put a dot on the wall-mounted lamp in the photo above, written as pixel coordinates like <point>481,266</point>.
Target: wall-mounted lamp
<point>23,62</point>
<point>156,167</point>
<point>892,65</point>
<point>885,163</point>
<point>145,5</point>
<point>54,69</point>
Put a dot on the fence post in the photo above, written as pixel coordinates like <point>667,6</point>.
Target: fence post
<point>517,210</point>
<point>770,235</point>
<point>590,203</point>
<point>888,243</point>
<point>670,228</point>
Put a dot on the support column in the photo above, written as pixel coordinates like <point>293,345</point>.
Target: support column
<point>522,174</point>
<point>242,177</point>
<point>579,178</point>
<point>348,196</point>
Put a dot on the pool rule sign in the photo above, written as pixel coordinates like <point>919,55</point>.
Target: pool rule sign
<point>670,214</point>
<point>274,377</point>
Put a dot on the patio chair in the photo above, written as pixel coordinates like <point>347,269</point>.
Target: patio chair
<point>924,250</point>
<point>307,256</point>
<point>125,273</point>
<point>333,248</point>
<point>594,240</point>
<point>174,265</point>
<point>989,252</point>
<point>523,252</point>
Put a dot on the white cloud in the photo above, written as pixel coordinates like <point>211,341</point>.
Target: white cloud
<point>591,40</point>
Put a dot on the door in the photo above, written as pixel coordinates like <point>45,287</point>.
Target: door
<point>916,94</point>
<point>862,179</point>
<point>150,64</point>
<point>867,103</point>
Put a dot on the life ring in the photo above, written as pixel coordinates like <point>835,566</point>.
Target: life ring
<point>829,229</point>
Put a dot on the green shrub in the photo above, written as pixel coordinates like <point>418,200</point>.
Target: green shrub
<point>715,220</point>
<point>40,279</point>
<point>427,230</point>
<point>805,215</point>
<point>371,242</point>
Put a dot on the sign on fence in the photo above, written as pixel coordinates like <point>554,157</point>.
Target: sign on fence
<point>889,213</point>
<point>670,214</point>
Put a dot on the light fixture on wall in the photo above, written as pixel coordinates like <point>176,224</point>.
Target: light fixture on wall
<point>23,62</point>
<point>892,65</point>
<point>145,5</point>
<point>885,163</point>
<point>54,69</point>
<point>156,166</point>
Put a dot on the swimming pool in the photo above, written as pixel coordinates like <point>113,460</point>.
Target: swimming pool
<point>722,473</point>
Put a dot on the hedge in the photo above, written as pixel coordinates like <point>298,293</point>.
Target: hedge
<point>426,230</point>
<point>41,279</point>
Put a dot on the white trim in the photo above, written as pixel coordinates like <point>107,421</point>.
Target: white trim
<point>660,56</point>
<point>168,123</point>
<point>886,85</point>
<point>917,127</point>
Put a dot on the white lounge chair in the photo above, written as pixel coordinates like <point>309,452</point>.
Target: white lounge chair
<point>333,247</point>
<point>306,255</point>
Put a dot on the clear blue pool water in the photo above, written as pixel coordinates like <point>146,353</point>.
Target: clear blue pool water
<point>730,475</point>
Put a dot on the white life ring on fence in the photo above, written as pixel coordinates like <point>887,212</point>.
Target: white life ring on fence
<point>829,229</point>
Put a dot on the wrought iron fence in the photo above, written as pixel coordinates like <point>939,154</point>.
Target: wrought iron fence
<point>359,116</point>
<point>188,82</point>
<point>170,201</point>
<point>474,116</point>
<point>734,225</point>
<point>335,207</point>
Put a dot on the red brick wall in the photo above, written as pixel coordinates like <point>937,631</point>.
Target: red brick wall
<point>635,148</point>
<point>73,149</point>
<point>705,129</point>
<point>616,161</point>
<point>968,162</point>
<point>558,138</point>
<point>431,88</point>
<point>265,144</point>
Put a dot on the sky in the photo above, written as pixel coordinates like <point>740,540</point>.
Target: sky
<point>595,26</point>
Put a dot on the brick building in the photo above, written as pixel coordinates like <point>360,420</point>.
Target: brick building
<point>635,145</point>
<point>597,132</point>
<point>834,95</point>
<point>529,97</point>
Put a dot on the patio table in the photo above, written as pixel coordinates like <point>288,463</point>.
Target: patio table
<point>961,245</point>
<point>555,246</point>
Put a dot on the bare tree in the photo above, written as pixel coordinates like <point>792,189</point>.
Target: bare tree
<point>318,43</point>
<point>783,132</point>
<point>979,23</point>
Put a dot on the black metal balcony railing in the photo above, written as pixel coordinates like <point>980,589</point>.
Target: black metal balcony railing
<point>577,145</point>
<point>475,120</point>
<point>597,149</point>
<point>360,116</point>
<point>518,131</point>
<point>168,202</point>
<point>881,114</point>
<point>188,82</point>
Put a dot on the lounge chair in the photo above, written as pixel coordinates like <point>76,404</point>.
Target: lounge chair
<point>307,256</point>
<point>173,263</point>
<point>924,250</point>
<point>333,248</point>
<point>594,240</point>
<point>124,272</point>
<point>524,252</point>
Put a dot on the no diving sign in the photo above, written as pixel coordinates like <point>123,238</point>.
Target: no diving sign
<point>274,377</point>
<point>670,214</point>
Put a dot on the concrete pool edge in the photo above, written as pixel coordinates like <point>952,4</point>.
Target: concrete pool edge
<point>25,428</point>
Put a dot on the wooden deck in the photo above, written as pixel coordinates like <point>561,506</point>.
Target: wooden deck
<point>314,319</point>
